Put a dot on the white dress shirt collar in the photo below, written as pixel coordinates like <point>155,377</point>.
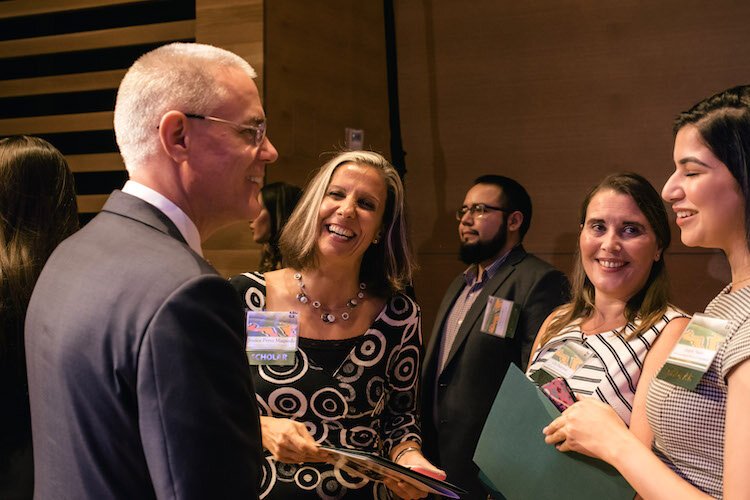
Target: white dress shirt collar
<point>186,227</point>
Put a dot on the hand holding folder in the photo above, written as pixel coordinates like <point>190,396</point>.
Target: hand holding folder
<point>516,463</point>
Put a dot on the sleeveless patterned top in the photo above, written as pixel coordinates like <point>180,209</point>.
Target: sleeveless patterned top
<point>612,373</point>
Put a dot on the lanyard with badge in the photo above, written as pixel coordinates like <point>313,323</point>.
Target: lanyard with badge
<point>271,337</point>
<point>695,351</point>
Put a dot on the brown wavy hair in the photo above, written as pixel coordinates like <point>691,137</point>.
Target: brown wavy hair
<point>651,301</point>
<point>37,211</point>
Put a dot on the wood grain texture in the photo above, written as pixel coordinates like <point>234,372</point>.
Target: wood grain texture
<point>79,82</point>
<point>325,71</point>
<point>97,39</point>
<point>91,203</point>
<point>17,8</point>
<point>235,25</point>
<point>102,162</point>
<point>557,95</point>
<point>101,120</point>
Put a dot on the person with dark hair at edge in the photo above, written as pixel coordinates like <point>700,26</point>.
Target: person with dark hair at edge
<point>37,211</point>
<point>277,201</point>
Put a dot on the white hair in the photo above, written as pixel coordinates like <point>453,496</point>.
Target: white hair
<point>177,76</point>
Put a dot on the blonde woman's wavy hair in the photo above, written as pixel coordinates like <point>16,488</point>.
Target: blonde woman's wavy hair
<point>387,267</point>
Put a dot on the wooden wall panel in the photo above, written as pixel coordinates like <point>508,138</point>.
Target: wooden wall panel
<point>16,8</point>
<point>557,95</point>
<point>94,80</point>
<point>97,39</point>
<point>325,71</point>
<point>236,25</point>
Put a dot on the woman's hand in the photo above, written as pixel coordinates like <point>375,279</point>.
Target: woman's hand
<point>413,459</point>
<point>590,427</point>
<point>289,441</point>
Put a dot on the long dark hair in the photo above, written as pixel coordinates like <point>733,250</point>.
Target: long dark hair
<point>651,302</point>
<point>723,121</point>
<point>37,211</point>
<point>279,198</point>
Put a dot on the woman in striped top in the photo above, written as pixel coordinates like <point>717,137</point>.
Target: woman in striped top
<point>620,308</point>
<point>701,437</point>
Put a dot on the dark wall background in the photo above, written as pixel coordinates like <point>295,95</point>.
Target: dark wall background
<point>556,94</point>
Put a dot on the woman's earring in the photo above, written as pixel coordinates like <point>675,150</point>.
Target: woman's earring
<point>375,241</point>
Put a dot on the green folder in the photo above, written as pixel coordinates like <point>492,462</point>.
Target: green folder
<point>516,463</point>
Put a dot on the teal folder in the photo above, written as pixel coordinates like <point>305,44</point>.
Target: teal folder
<point>516,462</point>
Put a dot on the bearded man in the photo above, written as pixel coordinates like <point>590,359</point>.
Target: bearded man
<point>468,356</point>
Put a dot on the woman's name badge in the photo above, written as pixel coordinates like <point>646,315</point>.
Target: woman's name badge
<point>500,318</point>
<point>271,337</point>
<point>567,359</point>
<point>695,351</point>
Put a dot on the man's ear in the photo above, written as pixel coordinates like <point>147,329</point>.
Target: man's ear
<point>173,134</point>
<point>514,221</point>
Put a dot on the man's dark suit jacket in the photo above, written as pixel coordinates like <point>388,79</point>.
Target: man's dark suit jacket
<point>138,380</point>
<point>477,362</point>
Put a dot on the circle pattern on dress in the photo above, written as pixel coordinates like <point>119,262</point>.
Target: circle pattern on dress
<point>328,404</point>
<point>371,350</point>
<point>356,402</point>
<point>407,364</point>
<point>268,475</point>
<point>307,478</point>
<point>374,390</point>
<point>329,487</point>
<point>285,375</point>
<point>349,372</point>
<point>255,299</point>
<point>288,401</point>
<point>360,437</point>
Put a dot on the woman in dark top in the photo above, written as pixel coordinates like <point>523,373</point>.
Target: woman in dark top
<point>277,202</point>
<point>37,211</point>
<point>355,378</point>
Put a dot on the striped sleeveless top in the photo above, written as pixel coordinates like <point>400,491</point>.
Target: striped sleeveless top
<point>613,371</point>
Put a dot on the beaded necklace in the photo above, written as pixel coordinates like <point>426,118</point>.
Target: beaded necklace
<point>327,315</point>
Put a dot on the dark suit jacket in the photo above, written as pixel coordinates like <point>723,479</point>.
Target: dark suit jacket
<point>477,362</point>
<point>138,380</point>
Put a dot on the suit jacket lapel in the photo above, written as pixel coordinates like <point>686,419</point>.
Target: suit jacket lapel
<point>132,207</point>
<point>477,309</point>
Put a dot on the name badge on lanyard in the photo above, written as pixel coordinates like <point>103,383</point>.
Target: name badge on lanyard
<point>271,337</point>
<point>695,351</point>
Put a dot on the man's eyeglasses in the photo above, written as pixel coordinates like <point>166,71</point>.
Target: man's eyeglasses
<point>256,133</point>
<point>478,210</point>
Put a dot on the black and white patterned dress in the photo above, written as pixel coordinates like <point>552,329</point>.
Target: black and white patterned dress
<point>613,372</point>
<point>689,425</point>
<point>337,396</point>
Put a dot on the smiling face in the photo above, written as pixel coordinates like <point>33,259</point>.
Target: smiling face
<point>351,212</point>
<point>705,195</point>
<point>227,168</point>
<point>618,246</point>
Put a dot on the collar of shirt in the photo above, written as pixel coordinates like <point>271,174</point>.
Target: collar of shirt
<point>470,275</point>
<point>180,219</point>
